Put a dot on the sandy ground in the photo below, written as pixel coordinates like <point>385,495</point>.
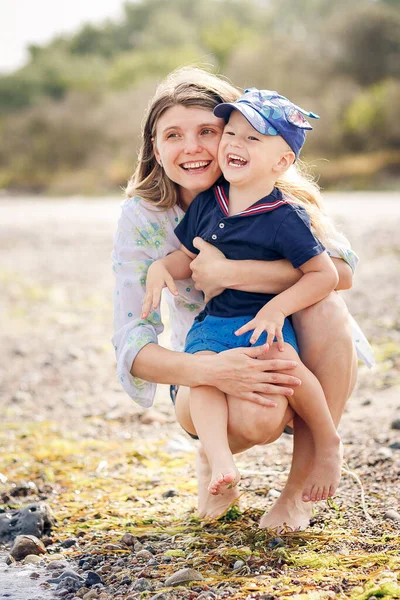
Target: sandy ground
<point>56,321</point>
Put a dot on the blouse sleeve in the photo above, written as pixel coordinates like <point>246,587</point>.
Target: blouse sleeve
<point>138,242</point>
<point>338,246</point>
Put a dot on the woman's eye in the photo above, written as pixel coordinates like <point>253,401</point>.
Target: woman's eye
<point>172,135</point>
<point>207,131</point>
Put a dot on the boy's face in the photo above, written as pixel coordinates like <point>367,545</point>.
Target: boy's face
<point>245,155</point>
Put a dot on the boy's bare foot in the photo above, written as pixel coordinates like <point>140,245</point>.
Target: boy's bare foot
<point>324,478</point>
<point>288,513</point>
<point>210,506</point>
<point>223,481</point>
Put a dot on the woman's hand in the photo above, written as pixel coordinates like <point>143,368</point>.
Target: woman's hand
<point>157,278</point>
<point>269,320</point>
<point>235,372</point>
<point>208,268</point>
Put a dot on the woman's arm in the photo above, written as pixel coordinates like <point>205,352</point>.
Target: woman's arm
<point>235,372</point>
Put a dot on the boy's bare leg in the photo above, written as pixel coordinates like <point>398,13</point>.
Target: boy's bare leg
<point>209,411</point>
<point>327,349</point>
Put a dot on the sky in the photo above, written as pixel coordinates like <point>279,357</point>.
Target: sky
<point>25,22</point>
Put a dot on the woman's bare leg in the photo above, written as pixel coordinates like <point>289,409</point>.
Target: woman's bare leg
<point>327,349</point>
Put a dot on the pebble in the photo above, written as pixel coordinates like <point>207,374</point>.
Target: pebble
<point>184,576</point>
<point>273,493</point>
<point>128,539</point>
<point>276,543</point>
<point>238,565</point>
<point>144,554</point>
<point>25,545</point>
<point>395,446</point>
<point>137,546</point>
<point>90,594</point>
<point>69,573</point>
<point>392,515</point>
<point>68,543</point>
<point>32,559</point>
<point>170,494</point>
<point>396,424</point>
<point>92,579</point>
<point>385,453</point>
<point>142,585</point>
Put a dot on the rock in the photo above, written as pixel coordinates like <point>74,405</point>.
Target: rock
<point>184,576</point>
<point>392,515</point>
<point>31,559</point>
<point>153,416</point>
<point>137,546</point>
<point>385,453</point>
<point>395,446</point>
<point>142,585</point>
<point>276,543</point>
<point>92,578</point>
<point>395,424</point>
<point>34,519</point>
<point>144,554</point>
<point>68,543</point>
<point>128,539</point>
<point>71,584</point>
<point>67,574</point>
<point>238,565</point>
<point>273,493</point>
<point>90,595</point>
<point>25,545</point>
<point>160,596</point>
<point>55,562</point>
<point>170,493</point>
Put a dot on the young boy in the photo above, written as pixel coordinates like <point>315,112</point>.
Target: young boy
<point>248,218</point>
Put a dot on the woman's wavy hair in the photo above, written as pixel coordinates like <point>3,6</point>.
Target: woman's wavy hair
<point>189,87</point>
<point>299,186</point>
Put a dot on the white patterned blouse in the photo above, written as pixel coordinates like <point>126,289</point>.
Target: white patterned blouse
<point>145,234</point>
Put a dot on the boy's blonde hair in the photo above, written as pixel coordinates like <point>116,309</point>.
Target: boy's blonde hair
<point>299,186</point>
<point>189,87</point>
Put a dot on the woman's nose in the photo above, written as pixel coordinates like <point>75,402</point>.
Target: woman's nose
<point>192,145</point>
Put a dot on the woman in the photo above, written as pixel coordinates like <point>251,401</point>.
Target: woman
<point>178,159</point>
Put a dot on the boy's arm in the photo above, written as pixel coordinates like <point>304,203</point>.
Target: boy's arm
<point>319,279</point>
<point>163,273</point>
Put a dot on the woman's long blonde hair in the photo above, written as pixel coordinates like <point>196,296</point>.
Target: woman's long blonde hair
<point>187,86</point>
<point>300,187</point>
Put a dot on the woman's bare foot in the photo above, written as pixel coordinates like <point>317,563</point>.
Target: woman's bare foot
<point>211,506</point>
<point>324,478</point>
<point>225,479</point>
<point>289,513</point>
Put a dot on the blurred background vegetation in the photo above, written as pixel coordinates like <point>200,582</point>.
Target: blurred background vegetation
<point>70,118</point>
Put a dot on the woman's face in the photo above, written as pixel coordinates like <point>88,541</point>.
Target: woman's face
<point>186,144</point>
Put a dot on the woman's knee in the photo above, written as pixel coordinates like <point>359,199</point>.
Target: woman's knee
<point>329,312</point>
<point>254,424</point>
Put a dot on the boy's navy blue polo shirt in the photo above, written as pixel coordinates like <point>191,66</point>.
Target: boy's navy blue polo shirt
<point>270,229</point>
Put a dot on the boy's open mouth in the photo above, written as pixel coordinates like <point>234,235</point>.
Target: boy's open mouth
<point>236,161</point>
<point>196,166</point>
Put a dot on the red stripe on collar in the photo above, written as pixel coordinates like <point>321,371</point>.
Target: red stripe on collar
<point>252,210</point>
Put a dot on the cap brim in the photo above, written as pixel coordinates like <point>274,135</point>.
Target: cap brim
<point>256,120</point>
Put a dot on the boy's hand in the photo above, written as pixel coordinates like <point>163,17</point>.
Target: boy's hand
<point>267,320</point>
<point>157,278</point>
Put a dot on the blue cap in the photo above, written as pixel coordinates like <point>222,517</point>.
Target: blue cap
<point>271,114</point>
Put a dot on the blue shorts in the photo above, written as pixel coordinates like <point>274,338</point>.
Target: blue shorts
<point>218,334</point>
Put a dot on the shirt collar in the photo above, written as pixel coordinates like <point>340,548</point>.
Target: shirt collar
<point>265,204</point>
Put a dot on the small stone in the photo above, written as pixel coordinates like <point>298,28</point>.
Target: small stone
<point>26,544</point>
<point>72,584</point>
<point>137,546</point>
<point>170,494</point>
<point>395,424</point>
<point>276,543</point>
<point>31,559</point>
<point>142,585</point>
<point>273,493</point>
<point>395,446</point>
<point>128,539</point>
<point>366,402</point>
<point>68,543</point>
<point>144,554</point>
<point>160,596</point>
<point>152,416</point>
<point>92,579</point>
<point>151,549</point>
<point>238,565</point>
<point>34,575</point>
<point>385,453</point>
<point>68,574</point>
<point>392,515</point>
<point>184,576</point>
<point>90,595</point>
